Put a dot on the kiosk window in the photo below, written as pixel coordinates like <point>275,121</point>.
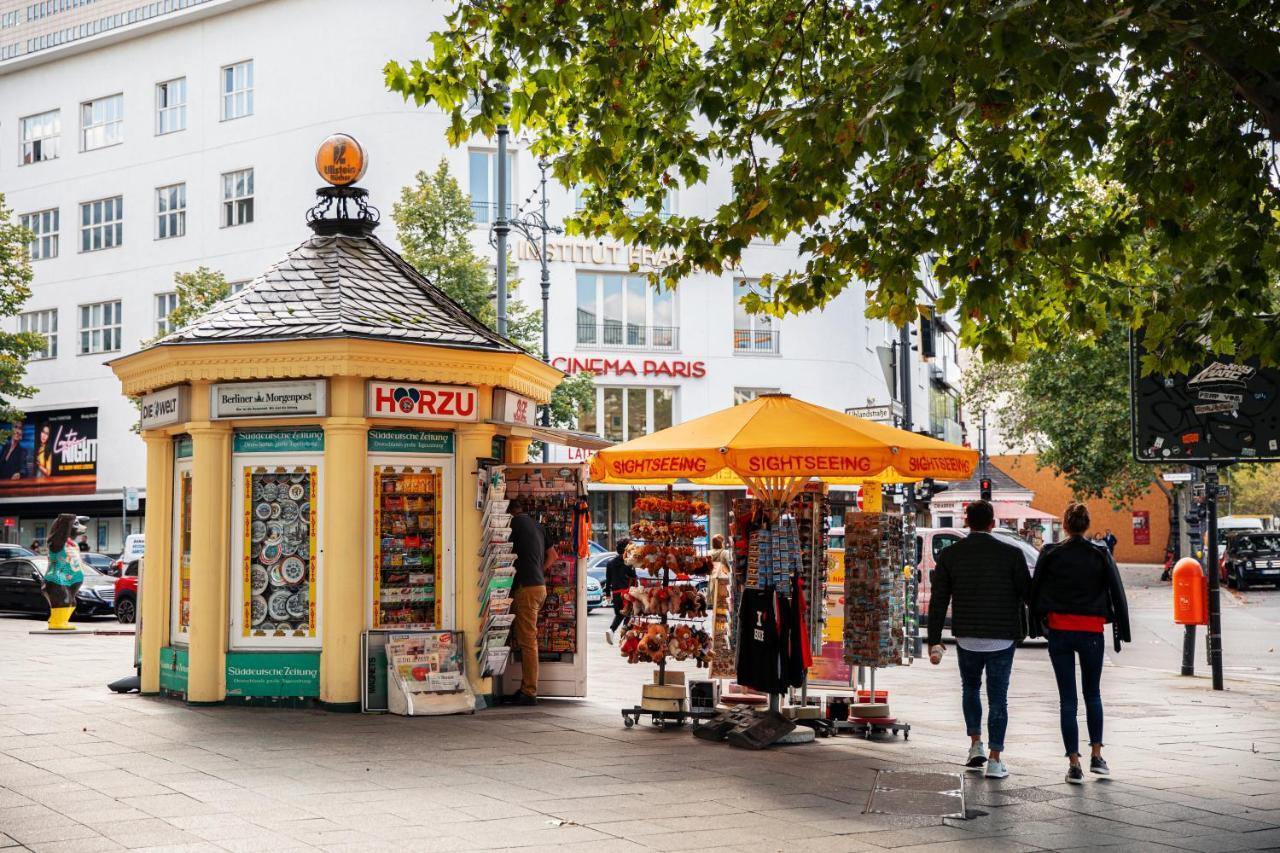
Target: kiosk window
<point>406,552</point>
<point>280,552</point>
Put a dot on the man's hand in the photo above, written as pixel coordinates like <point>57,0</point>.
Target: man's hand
<point>936,653</point>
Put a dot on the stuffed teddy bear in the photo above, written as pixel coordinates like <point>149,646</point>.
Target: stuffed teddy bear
<point>630,645</point>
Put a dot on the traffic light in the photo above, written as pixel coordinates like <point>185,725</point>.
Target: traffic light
<point>928,488</point>
<point>984,488</point>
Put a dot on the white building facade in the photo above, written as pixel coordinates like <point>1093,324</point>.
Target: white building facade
<point>142,139</point>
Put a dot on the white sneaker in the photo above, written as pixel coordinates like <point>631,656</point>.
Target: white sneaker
<point>977,755</point>
<point>608,636</point>
<point>996,769</point>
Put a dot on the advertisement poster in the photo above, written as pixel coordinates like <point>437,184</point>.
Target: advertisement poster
<point>1141,527</point>
<point>51,452</point>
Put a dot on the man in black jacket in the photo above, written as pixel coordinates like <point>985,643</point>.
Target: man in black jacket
<point>987,585</point>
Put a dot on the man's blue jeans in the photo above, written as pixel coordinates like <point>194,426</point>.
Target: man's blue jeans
<point>998,666</point>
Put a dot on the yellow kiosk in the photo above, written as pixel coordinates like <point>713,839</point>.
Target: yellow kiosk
<point>312,453</point>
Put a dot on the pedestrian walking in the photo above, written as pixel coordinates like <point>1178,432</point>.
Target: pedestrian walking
<point>618,578</point>
<point>1111,541</point>
<point>720,556</point>
<point>986,584</point>
<point>533,555</point>
<point>1076,591</point>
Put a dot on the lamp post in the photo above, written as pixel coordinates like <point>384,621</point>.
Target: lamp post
<point>534,227</point>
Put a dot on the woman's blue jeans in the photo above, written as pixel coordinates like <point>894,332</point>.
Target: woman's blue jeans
<point>1064,648</point>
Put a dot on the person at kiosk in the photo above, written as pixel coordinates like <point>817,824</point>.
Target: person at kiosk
<point>533,555</point>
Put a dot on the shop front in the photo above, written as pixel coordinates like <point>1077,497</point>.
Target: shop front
<point>313,444</point>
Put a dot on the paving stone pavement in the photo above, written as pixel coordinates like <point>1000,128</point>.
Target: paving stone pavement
<point>84,770</point>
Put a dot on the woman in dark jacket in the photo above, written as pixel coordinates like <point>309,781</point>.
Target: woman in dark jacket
<point>618,578</point>
<point>1075,592</point>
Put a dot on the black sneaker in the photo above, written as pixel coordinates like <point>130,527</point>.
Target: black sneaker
<point>1098,764</point>
<point>1075,776</point>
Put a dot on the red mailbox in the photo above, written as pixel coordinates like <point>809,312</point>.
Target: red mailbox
<point>1190,593</point>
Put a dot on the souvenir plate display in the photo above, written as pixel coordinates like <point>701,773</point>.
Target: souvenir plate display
<point>406,549</point>
<point>278,544</point>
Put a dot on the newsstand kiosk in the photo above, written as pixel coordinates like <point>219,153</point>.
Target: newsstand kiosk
<point>313,449</point>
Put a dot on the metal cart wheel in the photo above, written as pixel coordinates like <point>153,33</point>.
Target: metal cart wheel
<point>628,721</point>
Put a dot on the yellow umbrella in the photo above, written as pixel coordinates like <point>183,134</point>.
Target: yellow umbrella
<point>775,443</point>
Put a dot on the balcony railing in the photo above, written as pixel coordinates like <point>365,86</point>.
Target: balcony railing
<point>758,341</point>
<point>615,334</point>
<point>485,212</point>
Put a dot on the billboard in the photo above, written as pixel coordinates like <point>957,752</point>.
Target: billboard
<point>1220,411</point>
<point>52,452</point>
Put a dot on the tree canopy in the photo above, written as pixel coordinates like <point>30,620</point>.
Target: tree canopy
<point>890,134</point>
<point>1070,405</point>
<point>197,291</point>
<point>15,289</point>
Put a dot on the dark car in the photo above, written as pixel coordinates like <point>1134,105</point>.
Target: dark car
<point>20,589</point>
<point>127,594</point>
<point>101,562</point>
<point>1251,558</point>
<point>11,552</point>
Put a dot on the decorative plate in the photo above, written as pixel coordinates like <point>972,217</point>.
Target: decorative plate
<point>278,605</point>
<point>271,551</point>
<point>297,476</point>
<point>259,609</point>
<point>258,531</point>
<point>275,510</point>
<point>270,491</point>
<point>293,570</point>
<point>304,549</point>
<point>304,511</point>
<point>296,491</point>
<point>297,605</point>
<point>258,580</point>
<point>267,627</point>
<point>277,579</point>
<point>288,512</point>
<point>275,531</point>
<point>288,546</point>
<point>262,511</point>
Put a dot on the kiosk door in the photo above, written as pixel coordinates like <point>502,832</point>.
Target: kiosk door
<point>411,548</point>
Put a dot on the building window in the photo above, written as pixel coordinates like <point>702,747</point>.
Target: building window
<point>100,327</point>
<point>45,323</point>
<point>635,207</point>
<point>41,135</point>
<point>171,106</point>
<point>43,225</point>
<point>752,333</point>
<point>484,185</point>
<point>101,224</point>
<point>171,211</point>
<point>746,395</point>
<point>237,90</point>
<point>624,413</point>
<point>944,415</point>
<point>237,286</point>
<point>102,122</point>
<point>237,198</point>
<point>624,311</point>
<point>166,304</point>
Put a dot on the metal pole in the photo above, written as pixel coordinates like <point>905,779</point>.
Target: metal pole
<point>500,226</point>
<point>546,285</point>
<point>124,509</point>
<point>1215,599</point>
<point>909,492</point>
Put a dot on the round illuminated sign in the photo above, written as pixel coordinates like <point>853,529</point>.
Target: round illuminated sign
<point>341,160</point>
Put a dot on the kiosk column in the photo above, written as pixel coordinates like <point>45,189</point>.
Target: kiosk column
<point>154,596</point>
<point>518,450</point>
<point>210,505</point>
<point>343,592</point>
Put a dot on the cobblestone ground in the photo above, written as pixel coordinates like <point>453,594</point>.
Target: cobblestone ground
<point>82,769</point>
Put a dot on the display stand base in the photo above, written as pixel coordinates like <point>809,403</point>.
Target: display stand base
<point>867,726</point>
<point>662,719</point>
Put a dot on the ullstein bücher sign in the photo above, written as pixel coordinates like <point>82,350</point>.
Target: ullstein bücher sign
<point>292,398</point>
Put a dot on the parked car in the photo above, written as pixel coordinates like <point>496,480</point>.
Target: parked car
<point>595,593</point>
<point>101,562</point>
<point>133,548</point>
<point>594,547</point>
<point>1251,558</point>
<point>127,594</point>
<point>11,552</point>
<point>21,583</point>
<point>597,564</point>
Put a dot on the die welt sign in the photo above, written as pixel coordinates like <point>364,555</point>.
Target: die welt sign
<point>410,401</point>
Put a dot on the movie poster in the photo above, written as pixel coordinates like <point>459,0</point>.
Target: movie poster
<point>52,452</point>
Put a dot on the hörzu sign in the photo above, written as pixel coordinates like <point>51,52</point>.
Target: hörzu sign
<point>292,398</point>
<point>421,402</point>
<point>166,406</point>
